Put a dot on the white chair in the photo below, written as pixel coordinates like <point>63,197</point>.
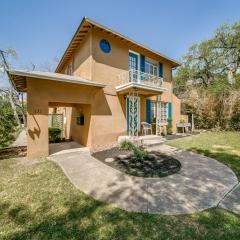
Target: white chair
<point>146,127</point>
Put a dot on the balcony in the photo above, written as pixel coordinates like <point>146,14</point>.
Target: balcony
<point>144,83</point>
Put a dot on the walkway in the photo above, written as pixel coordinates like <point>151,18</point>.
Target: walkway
<point>201,184</point>
<point>21,139</point>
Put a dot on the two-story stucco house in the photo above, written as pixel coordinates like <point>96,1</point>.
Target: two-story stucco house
<point>108,80</point>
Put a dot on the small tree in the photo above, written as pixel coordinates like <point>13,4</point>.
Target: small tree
<point>8,124</point>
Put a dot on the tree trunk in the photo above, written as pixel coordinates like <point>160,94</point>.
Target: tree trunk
<point>10,95</point>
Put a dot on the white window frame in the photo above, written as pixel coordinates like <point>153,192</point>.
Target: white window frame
<point>153,62</point>
<point>138,54</point>
<point>165,119</point>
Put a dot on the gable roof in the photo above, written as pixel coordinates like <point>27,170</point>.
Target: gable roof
<point>84,27</point>
<point>18,78</point>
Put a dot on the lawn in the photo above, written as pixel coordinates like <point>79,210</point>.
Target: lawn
<point>38,202</point>
<point>223,146</point>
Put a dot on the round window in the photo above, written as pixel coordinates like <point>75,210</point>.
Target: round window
<point>105,46</point>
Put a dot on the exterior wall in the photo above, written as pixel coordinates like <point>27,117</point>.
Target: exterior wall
<point>90,62</point>
<point>107,119</point>
<point>44,93</point>
<point>81,133</point>
<point>69,113</point>
<point>104,110</point>
<point>82,59</point>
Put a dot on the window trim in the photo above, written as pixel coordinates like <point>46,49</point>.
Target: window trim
<point>153,62</point>
<point>136,53</point>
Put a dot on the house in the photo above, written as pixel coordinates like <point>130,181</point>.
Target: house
<point>107,83</point>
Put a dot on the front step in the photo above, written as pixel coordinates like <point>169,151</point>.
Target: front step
<point>146,141</point>
<point>152,142</point>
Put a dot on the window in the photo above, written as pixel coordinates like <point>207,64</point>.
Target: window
<point>153,111</point>
<point>151,68</point>
<point>105,46</point>
<point>133,59</point>
<point>70,68</point>
<point>163,112</point>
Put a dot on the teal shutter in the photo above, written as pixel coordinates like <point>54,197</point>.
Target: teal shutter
<point>148,111</point>
<point>127,113</point>
<point>160,70</point>
<point>142,66</point>
<point>142,63</point>
<point>169,111</point>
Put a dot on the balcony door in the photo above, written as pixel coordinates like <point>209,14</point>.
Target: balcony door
<point>133,64</point>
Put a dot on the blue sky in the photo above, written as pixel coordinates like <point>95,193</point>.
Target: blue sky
<point>40,30</point>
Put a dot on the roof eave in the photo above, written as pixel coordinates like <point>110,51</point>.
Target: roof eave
<point>22,75</point>
<point>92,22</point>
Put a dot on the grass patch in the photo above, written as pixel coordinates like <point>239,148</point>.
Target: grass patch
<point>223,146</point>
<point>38,202</point>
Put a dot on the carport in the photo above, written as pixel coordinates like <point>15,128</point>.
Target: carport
<point>47,89</point>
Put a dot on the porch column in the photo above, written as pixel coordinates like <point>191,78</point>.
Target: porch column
<point>158,117</point>
<point>37,127</point>
<point>133,113</point>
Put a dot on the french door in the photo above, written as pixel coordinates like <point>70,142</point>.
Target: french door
<point>133,66</point>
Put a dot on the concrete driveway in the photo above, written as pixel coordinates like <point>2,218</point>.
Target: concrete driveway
<point>202,183</point>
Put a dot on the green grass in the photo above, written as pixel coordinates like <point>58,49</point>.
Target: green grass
<point>38,202</point>
<point>223,146</point>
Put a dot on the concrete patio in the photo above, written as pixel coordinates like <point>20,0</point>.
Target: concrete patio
<point>202,183</point>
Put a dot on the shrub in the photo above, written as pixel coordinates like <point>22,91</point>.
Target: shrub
<point>54,134</point>
<point>169,127</point>
<point>127,145</point>
<point>8,125</point>
<point>139,153</point>
<point>235,122</point>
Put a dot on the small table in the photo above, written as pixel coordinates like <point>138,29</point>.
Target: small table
<point>184,126</point>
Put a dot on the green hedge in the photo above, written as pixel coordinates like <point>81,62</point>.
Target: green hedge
<point>235,122</point>
<point>54,134</point>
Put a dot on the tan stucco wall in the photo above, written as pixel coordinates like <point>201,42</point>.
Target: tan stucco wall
<point>82,59</point>
<point>104,109</point>
<point>41,95</point>
<point>81,133</point>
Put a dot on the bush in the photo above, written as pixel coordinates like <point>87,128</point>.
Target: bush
<point>127,145</point>
<point>8,125</point>
<point>139,153</point>
<point>235,122</point>
<point>169,127</point>
<point>54,134</point>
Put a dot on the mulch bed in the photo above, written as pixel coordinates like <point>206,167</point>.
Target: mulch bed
<point>155,164</point>
<point>12,152</point>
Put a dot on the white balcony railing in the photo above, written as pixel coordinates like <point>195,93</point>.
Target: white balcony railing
<point>136,76</point>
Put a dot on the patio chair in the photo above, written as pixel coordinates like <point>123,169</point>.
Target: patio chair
<point>146,127</point>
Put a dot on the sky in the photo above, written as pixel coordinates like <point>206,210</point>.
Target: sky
<point>40,30</point>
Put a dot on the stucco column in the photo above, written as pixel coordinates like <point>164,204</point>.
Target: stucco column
<point>37,127</point>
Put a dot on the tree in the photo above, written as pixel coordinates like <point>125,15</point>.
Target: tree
<point>8,123</point>
<point>11,93</point>
<point>212,59</point>
<point>227,48</point>
<point>208,80</point>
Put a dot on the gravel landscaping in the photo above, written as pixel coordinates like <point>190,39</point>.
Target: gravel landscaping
<point>154,164</point>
